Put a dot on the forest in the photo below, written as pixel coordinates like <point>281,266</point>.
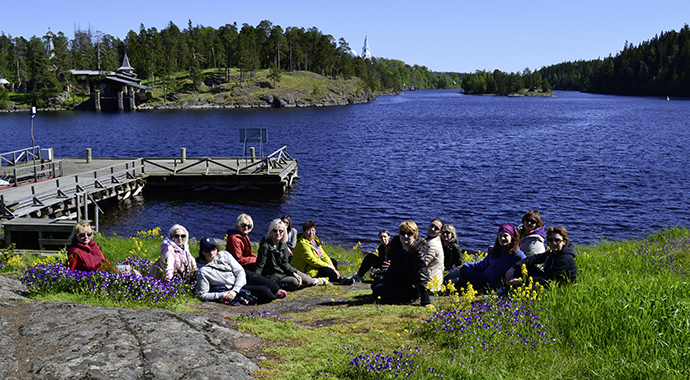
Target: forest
<point>658,67</point>
<point>158,57</point>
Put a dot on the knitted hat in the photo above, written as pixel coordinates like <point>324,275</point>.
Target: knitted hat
<point>509,228</point>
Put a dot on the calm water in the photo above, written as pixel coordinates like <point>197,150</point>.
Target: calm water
<point>605,167</point>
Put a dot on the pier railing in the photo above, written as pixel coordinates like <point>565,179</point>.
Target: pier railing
<point>56,190</point>
<point>20,156</point>
<point>25,174</point>
<point>209,165</point>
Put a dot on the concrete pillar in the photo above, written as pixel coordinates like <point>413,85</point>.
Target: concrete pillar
<point>183,154</point>
<point>252,153</point>
<point>89,158</point>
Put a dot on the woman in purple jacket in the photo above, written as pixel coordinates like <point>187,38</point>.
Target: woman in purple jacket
<point>487,275</point>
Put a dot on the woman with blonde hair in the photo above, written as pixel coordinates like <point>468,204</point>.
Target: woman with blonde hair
<point>452,254</point>
<point>273,259</point>
<point>407,276</point>
<point>84,254</point>
<point>175,259</point>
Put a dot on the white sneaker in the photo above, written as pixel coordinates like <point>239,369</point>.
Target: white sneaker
<point>322,281</point>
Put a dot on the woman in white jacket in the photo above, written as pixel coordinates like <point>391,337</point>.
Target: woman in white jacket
<point>433,254</point>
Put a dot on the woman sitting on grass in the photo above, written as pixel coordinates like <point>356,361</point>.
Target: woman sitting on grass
<point>487,275</point>
<point>558,262</point>
<point>291,233</point>
<point>221,278</point>
<point>452,254</point>
<point>532,233</point>
<point>407,276</point>
<point>310,257</point>
<point>240,247</point>
<point>84,254</point>
<point>377,264</point>
<point>273,259</point>
<point>175,256</point>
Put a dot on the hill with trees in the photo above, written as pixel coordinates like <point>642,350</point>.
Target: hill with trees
<point>658,67</point>
<point>175,60</point>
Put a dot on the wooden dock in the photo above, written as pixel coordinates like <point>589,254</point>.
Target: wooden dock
<point>64,188</point>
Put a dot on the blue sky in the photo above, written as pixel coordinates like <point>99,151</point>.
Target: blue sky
<point>461,36</point>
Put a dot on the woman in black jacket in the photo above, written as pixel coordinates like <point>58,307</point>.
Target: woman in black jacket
<point>558,262</point>
<point>452,254</point>
<point>407,276</point>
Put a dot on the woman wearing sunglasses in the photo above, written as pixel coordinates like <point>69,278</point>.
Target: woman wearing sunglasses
<point>558,262</point>
<point>84,254</point>
<point>407,276</point>
<point>175,257</point>
<point>273,259</point>
<point>532,234</point>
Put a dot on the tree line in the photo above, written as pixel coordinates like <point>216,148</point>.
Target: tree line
<point>501,83</point>
<point>658,67</point>
<point>158,56</point>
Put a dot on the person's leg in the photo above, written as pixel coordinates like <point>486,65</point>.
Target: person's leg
<point>261,292</point>
<point>476,278</point>
<point>307,280</point>
<point>391,293</point>
<point>455,276</point>
<point>289,283</point>
<point>369,261</point>
<point>256,279</point>
<point>328,273</point>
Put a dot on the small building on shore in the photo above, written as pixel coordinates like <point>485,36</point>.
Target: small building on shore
<point>119,90</point>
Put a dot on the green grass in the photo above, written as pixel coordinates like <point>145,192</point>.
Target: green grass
<point>628,317</point>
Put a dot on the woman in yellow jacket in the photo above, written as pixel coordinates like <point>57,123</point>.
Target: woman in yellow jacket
<point>310,258</point>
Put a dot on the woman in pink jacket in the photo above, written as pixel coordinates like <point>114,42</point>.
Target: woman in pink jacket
<point>175,257</point>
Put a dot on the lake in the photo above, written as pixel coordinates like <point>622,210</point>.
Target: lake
<point>604,167</point>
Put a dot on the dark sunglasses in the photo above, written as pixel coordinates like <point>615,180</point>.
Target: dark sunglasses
<point>406,233</point>
<point>554,241</point>
<point>530,221</point>
<point>447,233</point>
<point>176,236</point>
<point>245,225</point>
<point>85,234</point>
<point>278,231</point>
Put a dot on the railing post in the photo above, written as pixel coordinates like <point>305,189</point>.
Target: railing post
<point>252,153</point>
<point>14,158</point>
<point>89,157</point>
<point>14,174</point>
<point>183,154</point>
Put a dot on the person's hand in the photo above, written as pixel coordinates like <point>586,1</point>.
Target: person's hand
<point>514,281</point>
<point>510,274</point>
<point>229,295</point>
<point>337,274</point>
<point>299,279</point>
<point>385,264</point>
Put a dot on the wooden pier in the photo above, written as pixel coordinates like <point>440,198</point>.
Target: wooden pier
<point>65,188</point>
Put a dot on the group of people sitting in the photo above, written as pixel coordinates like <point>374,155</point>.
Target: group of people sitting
<point>402,267</point>
<point>405,265</point>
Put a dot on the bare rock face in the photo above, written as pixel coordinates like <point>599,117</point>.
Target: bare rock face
<point>56,340</point>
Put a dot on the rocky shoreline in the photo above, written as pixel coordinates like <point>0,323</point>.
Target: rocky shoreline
<point>62,340</point>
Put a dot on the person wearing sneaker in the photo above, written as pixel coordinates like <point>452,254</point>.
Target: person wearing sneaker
<point>310,257</point>
<point>379,262</point>
<point>273,259</point>
<point>221,278</point>
<point>407,276</point>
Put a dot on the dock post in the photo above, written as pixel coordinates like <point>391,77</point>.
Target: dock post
<point>183,154</point>
<point>89,157</point>
<point>252,153</point>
